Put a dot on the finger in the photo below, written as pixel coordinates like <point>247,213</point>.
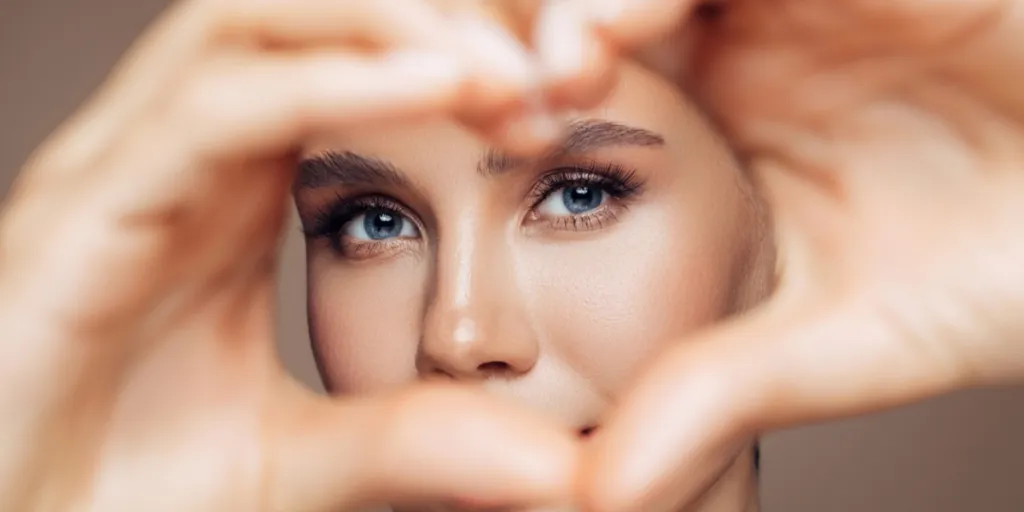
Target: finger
<point>708,396</point>
<point>521,132</point>
<point>173,40</point>
<point>265,105</point>
<point>500,68</point>
<point>316,22</point>
<point>503,99</point>
<point>578,67</point>
<point>229,132</point>
<point>632,22</point>
<point>431,444</point>
<point>188,28</point>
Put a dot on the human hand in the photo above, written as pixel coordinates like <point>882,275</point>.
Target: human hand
<point>888,139</point>
<point>137,259</point>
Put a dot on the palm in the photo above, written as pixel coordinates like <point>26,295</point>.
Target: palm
<point>889,146</point>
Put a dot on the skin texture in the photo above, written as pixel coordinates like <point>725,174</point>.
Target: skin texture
<point>493,282</point>
<point>889,140</point>
<point>140,372</point>
<point>137,257</point>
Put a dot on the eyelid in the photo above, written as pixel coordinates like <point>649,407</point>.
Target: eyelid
<point>617,181</point>
<point>620,184</point>
<point>338,212</point>
<point>352,222</point>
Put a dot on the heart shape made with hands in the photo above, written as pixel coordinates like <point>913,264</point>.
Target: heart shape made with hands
<point>886,137</point>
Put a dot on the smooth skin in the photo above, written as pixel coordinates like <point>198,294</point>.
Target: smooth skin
<point>890,149</point>
<point>137,279</point>
<point>552,280</point>
<point>889,140</point>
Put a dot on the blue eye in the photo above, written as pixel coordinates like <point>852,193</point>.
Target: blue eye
<point>573,200</point>
<point>379,224</point>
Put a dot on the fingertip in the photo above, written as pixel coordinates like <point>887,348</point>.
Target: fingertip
<point>630,23</point>
<point>578,68</point>
<point>430,70</point>
<point>526,131</point>
<point>615,474</point>
<point>501,70</point>
<point>478,449</point>
<point>589,87</point>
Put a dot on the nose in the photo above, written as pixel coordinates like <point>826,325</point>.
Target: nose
<point>476,326</point>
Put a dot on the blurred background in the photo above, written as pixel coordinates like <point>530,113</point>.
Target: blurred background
<point>955,454</point>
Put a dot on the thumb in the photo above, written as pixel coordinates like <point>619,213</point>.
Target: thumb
<point>708,396</point>
<point>634,22</point>
<point>437,444</point>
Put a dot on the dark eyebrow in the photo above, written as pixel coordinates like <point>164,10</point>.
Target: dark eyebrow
<point>346,168</point>
<point>582,136</point>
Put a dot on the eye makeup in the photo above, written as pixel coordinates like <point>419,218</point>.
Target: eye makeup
<point>582,197</point>
<point>600,193</point>
<point>331,220</point>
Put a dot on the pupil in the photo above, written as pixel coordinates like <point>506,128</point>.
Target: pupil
<point>581,199</point>
<point>382,224</point>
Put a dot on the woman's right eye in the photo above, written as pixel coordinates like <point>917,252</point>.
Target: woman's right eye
<point>379,224</point>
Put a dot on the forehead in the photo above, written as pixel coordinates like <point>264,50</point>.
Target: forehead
<point>640,99</point>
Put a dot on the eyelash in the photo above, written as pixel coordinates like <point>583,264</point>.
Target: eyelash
<point>329,221</point>
<point>619,183</point>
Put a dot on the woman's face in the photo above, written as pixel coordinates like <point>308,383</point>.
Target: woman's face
<point>551,280</point>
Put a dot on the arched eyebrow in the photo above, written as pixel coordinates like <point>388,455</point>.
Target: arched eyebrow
<point>347,168</point>
<point>350,169</point>
<point>581,137</point>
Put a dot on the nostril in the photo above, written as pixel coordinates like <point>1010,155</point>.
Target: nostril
<point>498,367</point>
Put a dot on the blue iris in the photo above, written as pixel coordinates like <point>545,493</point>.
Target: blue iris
<point>581,199</point>
<point>381,224</point>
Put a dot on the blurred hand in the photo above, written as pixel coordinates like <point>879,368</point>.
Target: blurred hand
<point>888,138</point>
<point>137,260</point>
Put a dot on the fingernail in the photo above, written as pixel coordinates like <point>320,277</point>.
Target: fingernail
<point>497,52</point>
<point>560,38</point>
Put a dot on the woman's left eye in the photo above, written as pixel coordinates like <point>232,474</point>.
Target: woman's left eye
<point>377,224</point>
<point>572,200</point>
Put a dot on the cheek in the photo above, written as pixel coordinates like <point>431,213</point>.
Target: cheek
<point>365,321</point>
<point>609,304</point>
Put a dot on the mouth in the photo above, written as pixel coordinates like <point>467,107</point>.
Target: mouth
<point>587,432</point>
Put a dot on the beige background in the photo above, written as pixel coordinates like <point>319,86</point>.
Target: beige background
<point>961,453</point>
